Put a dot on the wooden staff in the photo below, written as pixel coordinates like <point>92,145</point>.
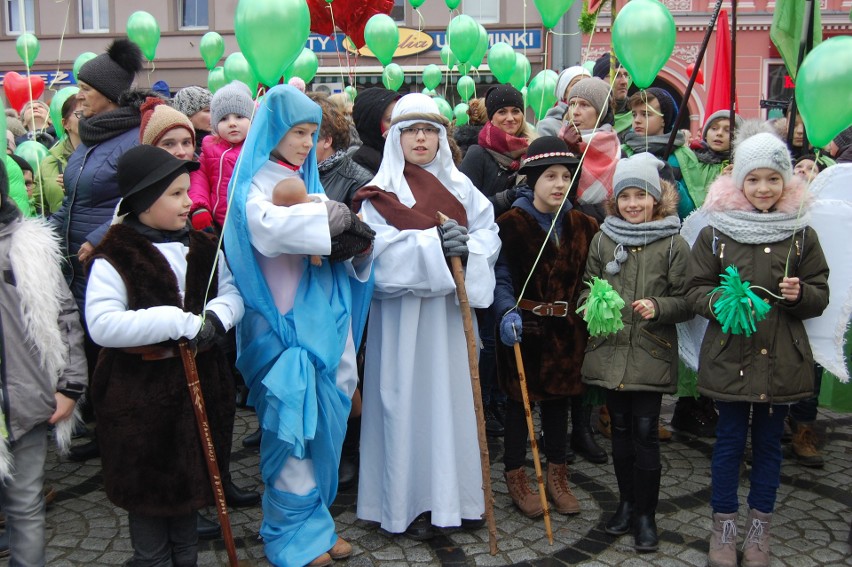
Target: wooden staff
<point>519,361</point>
<point>197,401</point>
<point>473,363</point>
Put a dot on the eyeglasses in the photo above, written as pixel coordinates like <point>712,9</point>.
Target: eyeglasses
<point>412,131</point>
<point>78,114</point>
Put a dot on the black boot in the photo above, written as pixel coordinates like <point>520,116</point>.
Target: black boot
<point>236,497</point>
<point>252,440</point>
<point>582,437</point>
<point>644,524</point>
<point>621,521</point>
<point>86,451</point>
<point>207,528</point>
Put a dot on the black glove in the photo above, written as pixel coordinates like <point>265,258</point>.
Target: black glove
<point>454,239</point>
<point>339,217</point>
<point>354,240</point>
<point>212,333</point>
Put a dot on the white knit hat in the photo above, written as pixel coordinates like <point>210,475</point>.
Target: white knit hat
<point>763,150</point>
<point>565,78</point>
<point>640,170</point>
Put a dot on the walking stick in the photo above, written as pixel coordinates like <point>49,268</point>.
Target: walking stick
<point>473,363</point>
<point>519,361</point>
<point>197,401</point>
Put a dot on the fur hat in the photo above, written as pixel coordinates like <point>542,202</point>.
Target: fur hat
<point>233,98</point>
<point>158,118</point>
<point>144,173</point>
<point>720,115</point>
<point>112,73</point>
<point>760,150</point>
<point>640,170</point>
<point>592,90</point>
<point>191,100</point>
<point>565,78</point>
<point>502,96</point>
<point>544,152</point>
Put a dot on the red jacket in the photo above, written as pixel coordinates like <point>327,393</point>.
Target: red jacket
<point>209,185</point>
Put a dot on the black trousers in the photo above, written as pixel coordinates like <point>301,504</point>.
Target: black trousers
<point>635,427</point>
<point>554,424</point>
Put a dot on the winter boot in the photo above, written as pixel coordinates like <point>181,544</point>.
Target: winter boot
<point>582,437</point>
<point>723,541</point>
<point>558,490</point>
<point>527,501</point>
<point>620,522</point>
<point>756,545</point>
<point>692,416</point>
<point>644,522</point>
<point>805,446</point>
<point>604,425</point>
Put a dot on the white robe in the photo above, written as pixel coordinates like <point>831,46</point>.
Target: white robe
<point>419,448</point>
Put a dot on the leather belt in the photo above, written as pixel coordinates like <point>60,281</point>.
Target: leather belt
<point>542,309</point>
<point>157,352</point>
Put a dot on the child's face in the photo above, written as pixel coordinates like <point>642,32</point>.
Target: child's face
<point>551,187</point>
<point>762,187</point>
<point>719,135</point>
<point>635,205</point>
<point>806,169</point>
<point>171,210</point>
<point>233,128</point>
<point>178,142</point>
<point>420,142</point>
<point>296,144</point>
<point>582,114</point>
<point>648,121</point>
<point>798,132</point>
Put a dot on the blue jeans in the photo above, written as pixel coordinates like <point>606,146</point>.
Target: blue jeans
<point>731,432</point>
<point>22,499</point>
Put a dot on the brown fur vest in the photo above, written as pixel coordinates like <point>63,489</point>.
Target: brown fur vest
<point>152,458</point>
<point>552,347</point>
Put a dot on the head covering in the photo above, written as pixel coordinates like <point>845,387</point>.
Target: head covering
<point>762,150</point>
<point>544,152</point>
<point>565,78</point>
<point>158,119</point>
<point>726,114</point>
<point>601,68</point>
<point>592,90</point>
<point>502,96</point>
<point>640,170</point>
<point>367,111</point>
<point>191,100</point>
<point>233,98</point>
<point>668,107</point>
<point>844,139</point>
<point>297,82</point>
<point>411,109</point>
<point>144,173</point>
<point>162,89</point>
<point>112,73</point>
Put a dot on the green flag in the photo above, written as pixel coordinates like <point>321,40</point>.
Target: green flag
<point>786,31</point>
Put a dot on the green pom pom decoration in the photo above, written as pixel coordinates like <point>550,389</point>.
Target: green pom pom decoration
<point>738,309</point>
<point>602,310</point>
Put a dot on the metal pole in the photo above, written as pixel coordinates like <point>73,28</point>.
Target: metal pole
<point>733,122</point>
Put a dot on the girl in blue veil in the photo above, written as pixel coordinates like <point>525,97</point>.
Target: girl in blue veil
<point>297,342</point>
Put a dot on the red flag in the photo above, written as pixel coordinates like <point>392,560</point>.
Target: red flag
<point>719,91</point>
<point>594,5</point>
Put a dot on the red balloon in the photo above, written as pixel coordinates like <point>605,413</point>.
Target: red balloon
<point>18,92</point>
<point>699,78</point>
<point>350,16</point>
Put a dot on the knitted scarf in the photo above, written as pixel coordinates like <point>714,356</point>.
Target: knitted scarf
<point>752,227</point>
<point>625,233</point>
<point>708,156</point>
<point>506,149</point>
<point>102,127</point>
<point>654,144</point>
<point>331,161</point>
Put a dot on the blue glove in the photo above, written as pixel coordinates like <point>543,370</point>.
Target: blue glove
<point>511,328</point>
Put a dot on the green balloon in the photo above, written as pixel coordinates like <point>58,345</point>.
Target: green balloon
<point>32,151</point>
<point>448,57</point>
<point>430,92</point>
<point>28,48</point>
<point>443,106</point>
<point>144,31</point>
<point>452,4</point>
<point>392,77</point>
<point>501,60</point>
<point>643,37</point>
<point>81,60</point>
<point>463,37</point>
<point>431,76</point>
<point>212,49</point>
<point>466,88</point>
<point>271,34</point>
<point>237,68</point>
<point>305,66</point>
<point>216,79</point>
<point>589,66</point>
<point>522,71</point>
<point>351,91</point>
<point>481,48</point>
<point>416,3</point>
<point>824,90</point>
<point>552,11</point>
<point>464,68</point>
<point>56,107</point>
<point>542,92</point>
<point>382,37</point>
<point>460,112</point>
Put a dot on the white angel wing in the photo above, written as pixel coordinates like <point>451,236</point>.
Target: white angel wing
<point>691,333</point>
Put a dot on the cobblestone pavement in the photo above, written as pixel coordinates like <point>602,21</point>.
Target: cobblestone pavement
<point>810,527</point>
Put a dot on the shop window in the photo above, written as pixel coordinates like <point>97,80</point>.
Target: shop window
<point>14,19</point>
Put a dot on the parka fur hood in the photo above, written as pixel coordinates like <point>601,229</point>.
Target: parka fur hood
<point>666,207</point>
<point>724,195</point>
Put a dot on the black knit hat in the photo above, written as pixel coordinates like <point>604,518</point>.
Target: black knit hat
<point>367,112</point>
<point>668,107</point>
<point>112,73</point>
<point>601,68</point>
<point>544,152</point>
<point>501,96</point>
<point>144,173</point>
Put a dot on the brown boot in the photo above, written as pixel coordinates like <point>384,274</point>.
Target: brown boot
<point>558,490</point>
<point>756,545</point>
<point>342,549</point>
<point>805,446</point>
<point>664,434</point>
<point>527,501</point>
<point>723,541</point>
<point>604,425</point>
<point>323,560</point>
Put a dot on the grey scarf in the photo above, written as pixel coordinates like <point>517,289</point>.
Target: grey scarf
<point>624,233</point>
<point>654,144</point>
<point>752,227</point>
<point>331,161</point>
<point>102,127</point>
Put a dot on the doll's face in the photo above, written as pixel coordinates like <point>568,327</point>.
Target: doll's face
<point>420,142</point>
<point>171,210</point>
<point>635,205</point>
<point>296,144</point>
<point>763,187</point>
<point>719,135</point>
<point>551,188</point>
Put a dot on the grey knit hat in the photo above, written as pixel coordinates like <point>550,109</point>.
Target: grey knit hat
<point>763,150</point>
<point>112,73</point>
<point>593,90</point>
<point>726,114</point>
<point>640,170</point>
<point>191,100</point>
<point>233,98</point>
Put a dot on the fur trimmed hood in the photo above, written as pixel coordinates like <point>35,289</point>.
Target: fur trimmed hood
<point>667,206</point>
<point>724,195</point>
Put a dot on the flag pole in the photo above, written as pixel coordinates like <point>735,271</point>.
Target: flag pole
<point>806,43</point>
<point>733,122</point>
<point>697,67</point>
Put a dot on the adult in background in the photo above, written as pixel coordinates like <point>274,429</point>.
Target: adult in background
<point>467,135</point>
<point>35,116</point>
<point>371,113</point>
<point>623,114</point>
<point>194,102</point>
<point>552,122</point>
<point>50,187</point>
